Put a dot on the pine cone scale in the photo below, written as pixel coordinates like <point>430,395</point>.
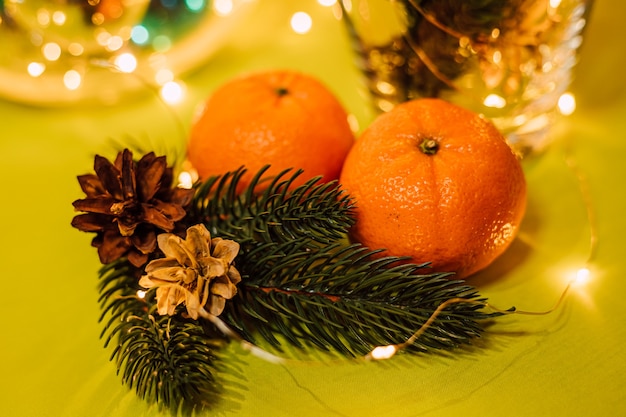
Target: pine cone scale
<point>109,176</point>
<point>102,205</point>
<point>145,242</point>
<point>91,185</point>
<point>150,173</point>
<point>111,246</point>
<point>128,176</point>
<point>88,222</point>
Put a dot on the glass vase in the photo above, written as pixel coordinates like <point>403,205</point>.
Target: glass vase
<point>510,60</point>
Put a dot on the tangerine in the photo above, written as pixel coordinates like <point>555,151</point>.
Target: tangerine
<point>437,183</point>
<point>283,118</point>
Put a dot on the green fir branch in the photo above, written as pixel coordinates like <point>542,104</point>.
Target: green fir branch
<point>344,298</point>
<point>315,213</point>
<point>304,282</point>
<point>168,360</point>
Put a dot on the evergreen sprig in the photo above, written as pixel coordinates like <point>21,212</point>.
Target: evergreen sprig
<point>303,284</point>
<point>168,360</point>
<point>341,297</point>
<point>272,211</point>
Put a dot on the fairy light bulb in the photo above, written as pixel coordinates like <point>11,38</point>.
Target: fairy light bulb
<point>567,104</point>
<point>51,51</point>
<point>555,3</point>
<point>583,276</point>
<point>35,69</point>
<point>43,17</point>
<point>185,180</point>
<point>114,43</point>
<point>172,92</point>
<point>495,101</point>
<point>301,22</point>
<point>72,79</point>
<point>126,62</point>
<point>353,121</point>
<point>223,7</point>
<point>75,49</point>
<point>383,352</point>
<point>59,18</point>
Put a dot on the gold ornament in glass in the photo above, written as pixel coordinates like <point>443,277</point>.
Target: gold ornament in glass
<point>510,60</point>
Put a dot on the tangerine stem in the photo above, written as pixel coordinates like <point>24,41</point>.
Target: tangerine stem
<point>429,146</point>
<point>282,91</point>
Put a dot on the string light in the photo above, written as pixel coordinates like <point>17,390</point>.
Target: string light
<point>581,278</point>
<point>43,17</point>
<point>301,22</point>
<point>255,350</point>
<point>51,51</point>
<point>388,351</point>
<point>35,69</point>
<point>188,175</point>
<point>126,62</point>
<point>494,101</point>
<point>172,92</point>
<point>223,7</point>
<point>72,79</point>
<point>75,49</point>
<point>383,352</point>
<point>58,17</point>
<point>185,180</point>
<point>566,104</point>
<point>114,43</point>
<point>353,122</point>
<point>555,3</point>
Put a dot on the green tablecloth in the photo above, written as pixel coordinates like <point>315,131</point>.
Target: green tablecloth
<point>569,363</point>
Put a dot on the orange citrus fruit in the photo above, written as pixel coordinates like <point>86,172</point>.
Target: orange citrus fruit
<point>283,118</point>
<point>437,183</point>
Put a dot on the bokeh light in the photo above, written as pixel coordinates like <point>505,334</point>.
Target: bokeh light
<point>223,7</point>
<point>35,69</point>
<point>195,5</point>
<point>72,79</point>
<point>567,104</point>
<point>495,101</point>
<point>140,35</point>
<point>172,92</point>
<point>301,22</point>
<point>126,62</point>
<point>51,51</point>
